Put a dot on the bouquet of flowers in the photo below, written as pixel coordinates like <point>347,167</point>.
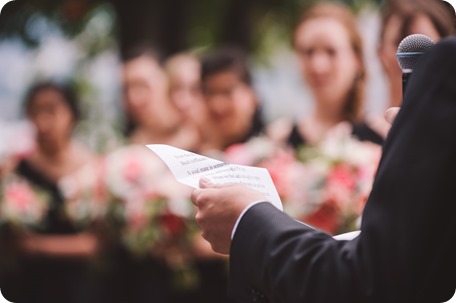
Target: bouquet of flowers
<point>324,185</point>
<point>131,199</point>
<point>86,199</point>
<point>332,180</point>
<point>263,152</point>
<point>22,205</point>
<point>152,210</point>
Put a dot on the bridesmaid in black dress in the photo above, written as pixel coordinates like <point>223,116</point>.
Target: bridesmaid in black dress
<point>330,54</point>
<point>53,262</point>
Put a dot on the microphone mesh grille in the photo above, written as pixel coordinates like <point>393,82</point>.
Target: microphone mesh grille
<point>410,49</point>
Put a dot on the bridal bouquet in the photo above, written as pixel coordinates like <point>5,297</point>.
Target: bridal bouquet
<point>22,205</point>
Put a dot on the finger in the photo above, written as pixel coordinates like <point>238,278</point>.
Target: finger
<point>206,183</point>
<point>195,195</point>
<point>391,113</point>
<point>198,218</point>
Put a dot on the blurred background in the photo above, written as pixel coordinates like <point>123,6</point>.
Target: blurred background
<point>88,214</point>
<point>82,41</point>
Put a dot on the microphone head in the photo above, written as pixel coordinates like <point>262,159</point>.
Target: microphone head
<point>410,49</point>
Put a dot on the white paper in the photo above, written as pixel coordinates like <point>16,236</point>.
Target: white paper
<point>188,168</point>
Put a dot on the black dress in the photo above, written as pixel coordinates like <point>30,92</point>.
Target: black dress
<point>360,130</point>
<point>40,278</point>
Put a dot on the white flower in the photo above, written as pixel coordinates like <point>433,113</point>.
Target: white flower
<point>133,169</point>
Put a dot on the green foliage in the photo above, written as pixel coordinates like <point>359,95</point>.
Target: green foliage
<point>270,21</point>
<point>20,18</point>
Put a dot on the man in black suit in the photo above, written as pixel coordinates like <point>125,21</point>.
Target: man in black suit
<point>406,251</point>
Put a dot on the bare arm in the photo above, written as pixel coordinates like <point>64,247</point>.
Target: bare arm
<point>77,245</point>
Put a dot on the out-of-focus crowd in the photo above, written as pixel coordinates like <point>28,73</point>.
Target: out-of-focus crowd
<point>77,226</point>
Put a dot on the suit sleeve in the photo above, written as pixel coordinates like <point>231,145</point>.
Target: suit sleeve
<point>405,252</point>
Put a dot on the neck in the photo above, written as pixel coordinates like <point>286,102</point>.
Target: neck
<point>328,114</point>
<point>55,151</point>
<point>147,135</point>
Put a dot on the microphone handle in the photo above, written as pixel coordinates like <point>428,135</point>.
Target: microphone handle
<point>405,78</point>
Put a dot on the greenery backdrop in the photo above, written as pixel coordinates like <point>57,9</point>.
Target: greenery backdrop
<point>173,25</point>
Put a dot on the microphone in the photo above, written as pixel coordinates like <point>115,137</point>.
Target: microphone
<point>408,54</point>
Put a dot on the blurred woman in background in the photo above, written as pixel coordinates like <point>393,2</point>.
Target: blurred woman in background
<point>184,74</point>
<point>399,19</point>
<point>325,189</point>
<point>234,110</point>
<point>151,118</point>
<point>330,55</point>
<point>54,259</point>
<point>160,109</point>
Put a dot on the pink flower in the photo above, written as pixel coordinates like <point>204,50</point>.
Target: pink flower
<point>278,166</point>
<point>22,204</point>
<point>342,175</point>
<point>132,170</point>
<point>20,196</point>
<point>239,154</point>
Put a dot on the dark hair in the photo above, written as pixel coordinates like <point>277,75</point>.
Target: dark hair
<point>64,89</point>
<point>451,10</point>
<point>226,59</point>
<point>439,12</point>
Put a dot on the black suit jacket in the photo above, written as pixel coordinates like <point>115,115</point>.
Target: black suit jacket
<point>406,251</point>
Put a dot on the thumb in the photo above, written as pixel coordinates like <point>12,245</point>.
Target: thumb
<point>205,182</point>
<point>391,113</point>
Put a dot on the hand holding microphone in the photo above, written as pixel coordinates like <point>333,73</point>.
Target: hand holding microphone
<point>408,53</point>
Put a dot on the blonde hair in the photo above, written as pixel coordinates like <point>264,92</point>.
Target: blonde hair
<point>337,11</point>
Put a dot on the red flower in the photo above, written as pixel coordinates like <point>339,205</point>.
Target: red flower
<point>75,9</point>
<point>342,175</point>
<point>175,225</point>
<point>325,218</point>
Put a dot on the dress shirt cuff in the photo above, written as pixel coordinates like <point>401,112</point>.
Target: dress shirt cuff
<point>242,214</point>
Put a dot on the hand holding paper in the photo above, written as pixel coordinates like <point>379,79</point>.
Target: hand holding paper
<point>188,168</point>
<point>221,201</point>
